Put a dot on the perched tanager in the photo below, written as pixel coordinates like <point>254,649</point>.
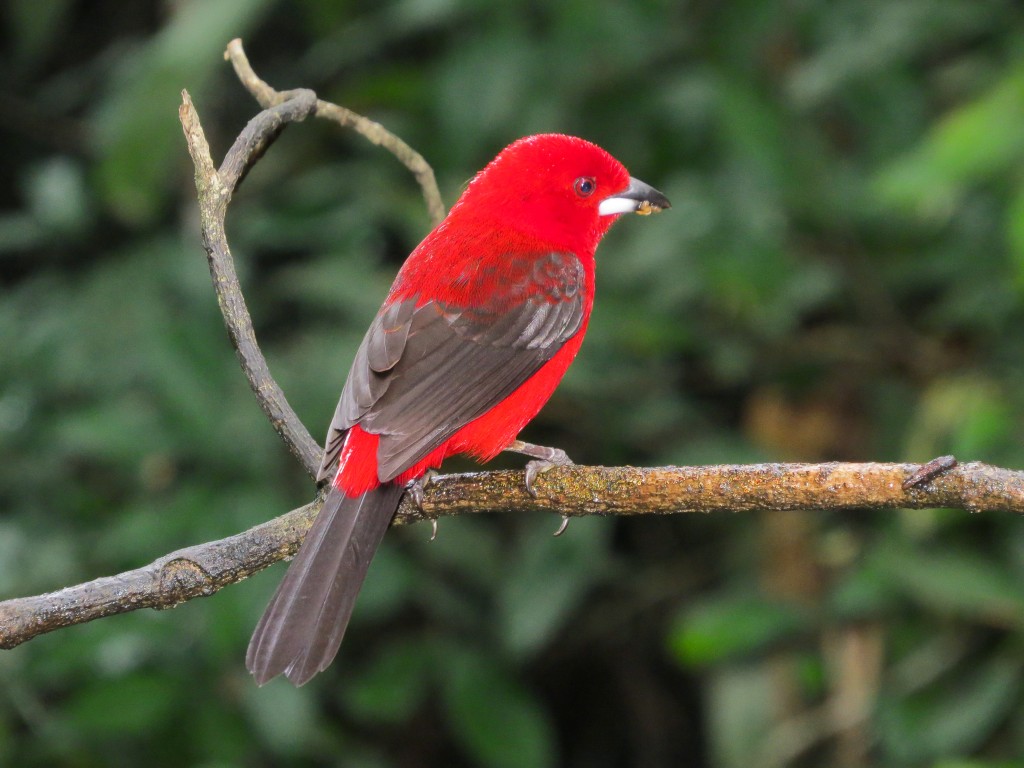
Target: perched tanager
<point>479,327</point>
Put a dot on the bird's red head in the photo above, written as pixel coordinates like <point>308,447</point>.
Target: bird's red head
<point>561,190</point>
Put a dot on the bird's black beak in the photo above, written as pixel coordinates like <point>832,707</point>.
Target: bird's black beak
<point>636,198</point>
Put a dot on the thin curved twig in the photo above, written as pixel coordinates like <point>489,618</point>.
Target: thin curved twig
<point>214,189</point>
<point>346,118</point>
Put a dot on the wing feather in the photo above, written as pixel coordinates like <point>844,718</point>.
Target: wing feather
<point>423,372</point>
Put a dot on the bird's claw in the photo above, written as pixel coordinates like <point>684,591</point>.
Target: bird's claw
<point>534,468</point>
<point>416,490</point>
<point>555,457</point>
<point>544,458</point>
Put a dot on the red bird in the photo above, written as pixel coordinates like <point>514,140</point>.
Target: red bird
<point>480,325</point>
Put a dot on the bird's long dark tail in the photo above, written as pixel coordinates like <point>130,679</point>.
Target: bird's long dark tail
<point>301,630</point>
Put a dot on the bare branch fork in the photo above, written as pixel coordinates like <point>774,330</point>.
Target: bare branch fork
<point>204,569</point>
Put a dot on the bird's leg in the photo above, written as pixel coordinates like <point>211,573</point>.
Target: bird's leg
<point>416,488</point>
<point>544,458</point>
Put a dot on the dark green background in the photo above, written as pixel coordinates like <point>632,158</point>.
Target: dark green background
<point>840,278</point>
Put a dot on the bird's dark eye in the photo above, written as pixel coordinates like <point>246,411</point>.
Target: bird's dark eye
<point>585,186</point>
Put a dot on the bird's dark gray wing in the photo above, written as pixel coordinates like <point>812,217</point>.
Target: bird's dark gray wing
<point>368,378</point>
<point>422,373</point>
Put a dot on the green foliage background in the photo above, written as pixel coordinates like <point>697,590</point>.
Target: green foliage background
<point>840,278</point>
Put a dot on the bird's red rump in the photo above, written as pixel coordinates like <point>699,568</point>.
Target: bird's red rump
<point>358,472</point>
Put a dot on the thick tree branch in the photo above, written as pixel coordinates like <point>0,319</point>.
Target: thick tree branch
<point>204,569</point>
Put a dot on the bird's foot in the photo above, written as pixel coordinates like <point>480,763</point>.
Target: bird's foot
<point>540,466</point>
<point>416,490</point>
<point>545,458</point>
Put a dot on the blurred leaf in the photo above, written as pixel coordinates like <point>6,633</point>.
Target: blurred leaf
<point>498,722</point>
<point>873,39</point>
<point>1015,234</point>
<point>546,580</point>
<point>220,735</point>
<point>283,715</point>
<point>731,627</point>
<point>866,590</point>
<point>970,144</point>
<point>58,197</point>
<point>35,27</point>
<point>966,415</point>
<point>136,125</point>
<point>927,726</point>
<point>19,232</point>
<point>956,582</point>
<point>389,689</point>
<point>740,700</point>
<point>124,706</point>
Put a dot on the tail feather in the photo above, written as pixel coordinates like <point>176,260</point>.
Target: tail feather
<point>301,630</point>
